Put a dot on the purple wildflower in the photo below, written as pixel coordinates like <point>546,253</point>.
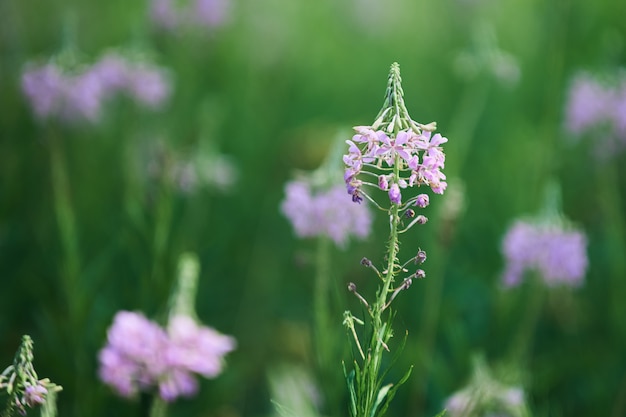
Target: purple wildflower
<point>329,213</point>
<point>211,13</point>
<point>44,88</point>
<point>35,394</point>
<point>79,96</point>
<point>149,85</point>
<point>556,253</point>
<point>196,348</point>
<point>372,150</point>
<point>484,395</point>
<point>171,15</point>
<point>134,357</point>
<point>598,108</point>
<point>141,355</point>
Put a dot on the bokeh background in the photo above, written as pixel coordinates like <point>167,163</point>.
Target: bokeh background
<point>268,91</point>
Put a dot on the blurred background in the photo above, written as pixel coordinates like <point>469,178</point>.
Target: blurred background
<point>229,101</point>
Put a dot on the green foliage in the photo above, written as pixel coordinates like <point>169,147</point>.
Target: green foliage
<point>271,90</point>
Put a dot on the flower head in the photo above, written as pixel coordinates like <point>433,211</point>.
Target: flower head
<point>35,394</point>
<point>597,107</point>
<point>556,252</point>
<point>171,15</point>
<point>79,94</point>
<point>485,395</point>
<point>400,152</point>
<point>141,355</point>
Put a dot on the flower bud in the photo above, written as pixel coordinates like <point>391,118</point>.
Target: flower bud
<point>383,182</point>
<point>421,257</point>
<point>421,219</point>
<point>394,194</point>
<point>422,200</point>
<point>420,274</point>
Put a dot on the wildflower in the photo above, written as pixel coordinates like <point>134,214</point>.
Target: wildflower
<point>170,14</point>
<point>418,154</point>
<point>556,252</point>
<point>197,348</point>
<point>35,394</point>
<point>148,85</point>
<point>327,212</point>
<point>44,88</point>
<point>141,355</point>
<point>485,395</point>
<point>79,94</point>
<point>21,383</point>
<point>597,107</point>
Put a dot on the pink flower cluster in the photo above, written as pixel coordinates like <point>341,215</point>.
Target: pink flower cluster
<point>141,356</point>
<point>172,14</point>
<point>558,254</point>
<point>325,213</point>
<point>79,95</point>
<point>419,155</point>
<point>592,104</point>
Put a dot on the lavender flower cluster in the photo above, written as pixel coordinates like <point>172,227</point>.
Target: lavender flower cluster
<point>171,14</point>
<point>78,96</point>
<point>593,104</point>
<point>141,356</point>
<point>557,253</point>
<point>419,156</point>
<point>328,212</point>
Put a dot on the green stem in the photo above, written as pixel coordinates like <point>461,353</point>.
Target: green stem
<point>65,219</point>
<point>159,248</point>
<point>323,340</point>
<point>519,351</point>
<point>610,193</point>
<point>158,408</point>
<point>70,270</point>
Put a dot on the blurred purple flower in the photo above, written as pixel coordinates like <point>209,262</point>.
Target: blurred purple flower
<point>588,105</point>
<point>149,85</point>
<point>44,88</point>
<point>211,13</point>
<point>598,107</point>
<point>79,96</point>
<point>140,355</point>
<point>328,213</point>
<point>83,97</point>
<point>134,357</point>
<point>170,15</point>
<point>556,253</point>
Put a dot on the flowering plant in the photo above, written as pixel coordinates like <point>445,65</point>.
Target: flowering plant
<point>23,386</point>
<point>141,356</point>
<point>394,154</point>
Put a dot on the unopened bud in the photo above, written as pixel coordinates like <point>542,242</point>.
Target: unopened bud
<point>421,219</point>
<point>351,287</point>
<point>420,274</point>
<point>366,262</point>
<point>409,213</point>
<point>420,257</point>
